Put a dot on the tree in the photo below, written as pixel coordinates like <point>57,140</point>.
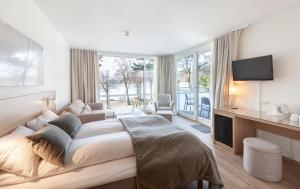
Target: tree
<point>137,78</point>
<point>123,72</point>
<point>204,69</point>
<point>204,81</point>
<point>186,64</point>
<point>105,79</point>
<point>139,75</point>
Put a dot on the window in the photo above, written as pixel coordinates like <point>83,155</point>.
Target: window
<point>204,84</point>
<point>185,84</point>
<point>126,81</point>
<point>193,72</point>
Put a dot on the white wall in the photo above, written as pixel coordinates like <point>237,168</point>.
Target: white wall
<point>279,36</point>
<point>26,17</point>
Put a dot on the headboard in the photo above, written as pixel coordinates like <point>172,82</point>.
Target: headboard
<point>18,110</point>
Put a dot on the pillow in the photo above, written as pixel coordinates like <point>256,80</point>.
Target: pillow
<point>86,109</point>
<point>16,155</point>
<point>39,122</point>
<point>69,123</point>
<point>65,113</point>
<point>50,115</point>
<point>51,144</point>
<point>75,107</point>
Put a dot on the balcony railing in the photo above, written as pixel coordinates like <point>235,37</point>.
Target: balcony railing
<point>186,101</point>
<point>120,101</point>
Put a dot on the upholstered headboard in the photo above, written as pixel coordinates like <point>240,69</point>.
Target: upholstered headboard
<point>18,110</point>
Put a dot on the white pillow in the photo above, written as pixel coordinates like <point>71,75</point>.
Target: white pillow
<point>49,115</point>
<point>16,154</point>
<point>86,109</point>
<point>98,149</point>
<point>39,122</point>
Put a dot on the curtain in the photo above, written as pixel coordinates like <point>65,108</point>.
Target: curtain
<point>166,75</point>
<point>225,51</point>
<point>84,75</point>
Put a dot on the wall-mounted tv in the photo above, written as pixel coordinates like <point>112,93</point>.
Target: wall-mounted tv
<point>253,69</point>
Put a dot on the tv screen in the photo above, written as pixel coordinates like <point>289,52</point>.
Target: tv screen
<point>253,69</point>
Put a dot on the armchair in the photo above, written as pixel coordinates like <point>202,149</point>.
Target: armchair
<point>164,103</point>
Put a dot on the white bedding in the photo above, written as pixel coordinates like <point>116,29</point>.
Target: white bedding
<point>99,128</point>
<point>98,144</point>
<point>95,175</point>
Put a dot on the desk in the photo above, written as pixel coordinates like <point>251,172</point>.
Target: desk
<point>245,122</point>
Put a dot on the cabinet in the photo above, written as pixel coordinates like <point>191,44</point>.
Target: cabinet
<point>223,130</point>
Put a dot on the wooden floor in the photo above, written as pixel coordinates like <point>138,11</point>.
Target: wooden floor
<point>231,166</point>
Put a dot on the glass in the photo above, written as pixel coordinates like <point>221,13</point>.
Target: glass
<point>148,82</point>
<point>203,84</point>
<point>185,85</point>
<point>125,81</point>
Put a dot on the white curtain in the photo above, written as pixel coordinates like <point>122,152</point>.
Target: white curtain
<point>166,75</point>
<point>84,75</point>
<point>225,51</point>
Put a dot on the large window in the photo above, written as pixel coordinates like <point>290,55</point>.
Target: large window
<point>193,73</point>
<point>185,84</point>
<point>126,81</point>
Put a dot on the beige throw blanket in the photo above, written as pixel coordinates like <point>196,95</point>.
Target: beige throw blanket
<point>169,157</point>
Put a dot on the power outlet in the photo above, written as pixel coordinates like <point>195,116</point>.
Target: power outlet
<point>265,102</point>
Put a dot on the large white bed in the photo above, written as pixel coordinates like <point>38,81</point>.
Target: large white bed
<point>86,177</point>
<point>104,144</point>
<point>100,155</point>
<point>90,162</point>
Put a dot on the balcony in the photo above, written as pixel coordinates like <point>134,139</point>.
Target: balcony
<point>186,102</point>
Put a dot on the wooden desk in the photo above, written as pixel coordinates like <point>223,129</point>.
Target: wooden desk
<point>245,122</point>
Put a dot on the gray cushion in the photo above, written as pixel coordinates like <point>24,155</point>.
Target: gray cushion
<point>164,100</point>
<point>51,144</point>
<point>69,123</point>
<point>164,108</point>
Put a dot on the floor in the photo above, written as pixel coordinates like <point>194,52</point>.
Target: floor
<point>231,166</point>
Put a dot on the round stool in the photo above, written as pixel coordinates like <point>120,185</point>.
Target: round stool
<point>262,159</point>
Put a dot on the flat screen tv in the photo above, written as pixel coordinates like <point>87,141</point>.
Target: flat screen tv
<point>253,69</point>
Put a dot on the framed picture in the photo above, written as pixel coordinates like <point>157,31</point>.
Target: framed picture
<point>21,59</point>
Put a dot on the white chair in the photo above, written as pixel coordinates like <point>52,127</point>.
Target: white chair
<point>164,102</point>
<point>262,159</point>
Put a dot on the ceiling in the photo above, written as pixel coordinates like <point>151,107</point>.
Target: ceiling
<point>157,27</point>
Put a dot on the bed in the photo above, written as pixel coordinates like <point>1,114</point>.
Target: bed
<point>113,171</point>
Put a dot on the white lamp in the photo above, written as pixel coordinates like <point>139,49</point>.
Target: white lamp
<point>233,93</point>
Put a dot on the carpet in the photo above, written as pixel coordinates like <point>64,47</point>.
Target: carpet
<point>202,128</point>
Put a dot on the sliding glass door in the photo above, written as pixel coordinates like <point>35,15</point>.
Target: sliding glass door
<point>185,71</point>
<point>203,86</point>
<point>193,74</point>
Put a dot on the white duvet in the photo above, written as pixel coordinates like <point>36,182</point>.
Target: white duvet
<point>99,128</point>
<point>94,145</point>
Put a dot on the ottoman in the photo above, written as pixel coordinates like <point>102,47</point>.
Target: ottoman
<point>262,159</point>
<point>166,114</point>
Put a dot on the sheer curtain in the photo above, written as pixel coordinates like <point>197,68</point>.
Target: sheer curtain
<point>84,75</point>
<point>166,75</point>
<point>225,51</point>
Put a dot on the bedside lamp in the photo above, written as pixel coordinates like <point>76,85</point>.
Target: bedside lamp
<point>233,93</point>
<point>51,103</point>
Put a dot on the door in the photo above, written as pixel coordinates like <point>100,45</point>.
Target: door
<point>204,105</point>
<point>185,89</point>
